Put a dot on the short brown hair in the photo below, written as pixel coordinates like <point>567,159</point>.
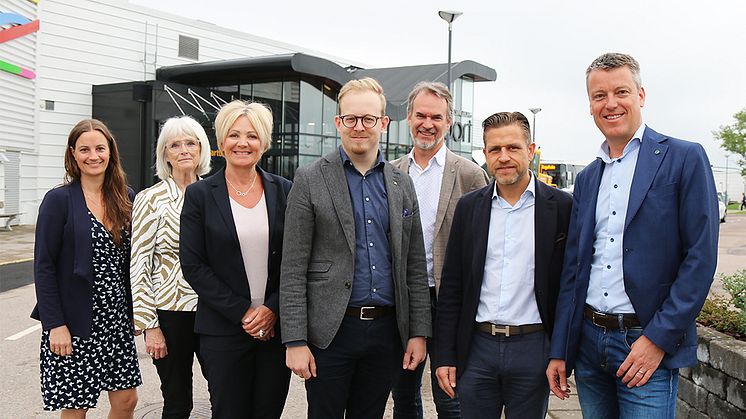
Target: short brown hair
<point>503,119</point>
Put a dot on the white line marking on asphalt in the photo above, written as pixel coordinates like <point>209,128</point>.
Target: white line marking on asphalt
<point>23,333</point>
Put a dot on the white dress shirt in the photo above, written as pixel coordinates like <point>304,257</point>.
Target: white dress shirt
<point>427,183</point>
<point>606,287</point>
<point>507,294</point>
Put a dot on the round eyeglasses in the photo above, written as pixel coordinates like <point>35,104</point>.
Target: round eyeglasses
<point>350,121</point>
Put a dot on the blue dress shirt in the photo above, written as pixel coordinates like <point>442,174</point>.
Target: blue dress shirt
<point>606,287</point>
<point>373,284</point>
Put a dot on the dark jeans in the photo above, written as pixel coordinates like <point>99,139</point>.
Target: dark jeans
<point>355,372</point>
<point>175,370</point>
<point>247,378</point>
<point>507,372</point>
<point>407,391</point>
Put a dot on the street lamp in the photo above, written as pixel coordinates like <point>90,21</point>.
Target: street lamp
<point>534,111</point>
<point>449,16</point>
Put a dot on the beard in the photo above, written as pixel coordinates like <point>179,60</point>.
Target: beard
<point>427,145</point>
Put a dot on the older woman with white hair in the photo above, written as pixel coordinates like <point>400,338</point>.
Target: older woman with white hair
<point>231,248</point>
<point>164,303</point>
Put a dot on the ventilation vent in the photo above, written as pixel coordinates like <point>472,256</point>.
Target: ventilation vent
<point>188,47</point>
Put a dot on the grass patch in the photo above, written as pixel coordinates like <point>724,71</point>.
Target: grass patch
<point>728,314</point>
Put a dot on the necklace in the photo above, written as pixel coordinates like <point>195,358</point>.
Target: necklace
<point>239,193</point>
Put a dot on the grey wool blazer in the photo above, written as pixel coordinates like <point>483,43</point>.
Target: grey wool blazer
<point>460,176</point>
<point>318,262</point>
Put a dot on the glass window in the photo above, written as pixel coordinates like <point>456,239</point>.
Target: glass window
<point>310,108</point>
<point>309,144</point>
<point>271,95</point>
<point>329,111</point>
<point>291,95</point>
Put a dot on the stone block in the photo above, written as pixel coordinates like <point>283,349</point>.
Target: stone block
<point>736,393</point>
<point>685,372</point>
<point>710,379</point>
<point>692,394</point>
<point>721,409</point>
<point>729,356</point>
<point>705,336</point>
<point>682,408</point>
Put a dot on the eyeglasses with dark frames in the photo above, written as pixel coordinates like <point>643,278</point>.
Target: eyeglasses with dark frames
<point>350,121</point>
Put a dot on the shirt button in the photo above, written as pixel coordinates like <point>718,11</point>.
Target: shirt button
<point>611,240</point>
<point>370,244</point>
<point>367,199</point>
<point>613,212</point>
<point>616,186</point>
<point>373,267</point>
<point>606,294</point>
<point>608,266</point>
<point>375,289</point>
<point>370,221</point>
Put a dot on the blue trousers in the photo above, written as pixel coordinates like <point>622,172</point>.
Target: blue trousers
<point>354,373</point>
<point>603,395</point>
<point>505,372</point>
<point>407,391</point>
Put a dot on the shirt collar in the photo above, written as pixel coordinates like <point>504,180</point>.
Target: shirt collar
<point>439,158</point>
<point>603,151</point>
<point>173,189</point>
<point>346,159</point>
<point>530,189</point>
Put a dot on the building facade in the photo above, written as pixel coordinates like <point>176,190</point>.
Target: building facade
<point>87,57</point>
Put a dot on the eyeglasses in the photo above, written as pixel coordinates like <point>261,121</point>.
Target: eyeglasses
<point>350,121</point>
<point>176,146</point>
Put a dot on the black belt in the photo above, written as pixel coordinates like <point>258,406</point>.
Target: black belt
<point>611,321</point>
<point>496,329</point>
<point>369,313</point>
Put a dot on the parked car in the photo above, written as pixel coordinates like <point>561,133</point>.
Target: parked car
<point>722,208</point>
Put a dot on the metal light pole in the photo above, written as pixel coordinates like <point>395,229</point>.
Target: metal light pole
<point>449,16</point>
<point>534,111</point>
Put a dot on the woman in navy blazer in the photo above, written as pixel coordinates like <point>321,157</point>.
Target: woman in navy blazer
<point>81,274</point>
<point>230,250</point>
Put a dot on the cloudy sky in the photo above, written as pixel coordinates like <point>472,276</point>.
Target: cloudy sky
<point>692,53</point>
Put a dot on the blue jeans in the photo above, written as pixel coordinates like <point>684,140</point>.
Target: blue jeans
<point>505,372</point>
<point>603,395</point>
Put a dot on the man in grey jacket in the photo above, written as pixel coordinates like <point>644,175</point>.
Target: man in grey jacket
<point>354,300</point>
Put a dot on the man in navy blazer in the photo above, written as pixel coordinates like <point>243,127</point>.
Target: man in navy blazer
<point>640,258</point>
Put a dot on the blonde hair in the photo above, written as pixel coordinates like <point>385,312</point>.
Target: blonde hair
<point>259,115</point>
<point>363,85</point>
<point>181,126</point>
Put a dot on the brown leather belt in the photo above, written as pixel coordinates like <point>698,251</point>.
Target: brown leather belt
<point>369,313</point>
<point>611,321</point>
<point>496,329</point>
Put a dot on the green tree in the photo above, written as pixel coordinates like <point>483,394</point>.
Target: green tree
<point>733,138</point>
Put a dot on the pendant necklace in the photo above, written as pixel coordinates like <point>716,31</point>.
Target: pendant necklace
<point>239,193</point>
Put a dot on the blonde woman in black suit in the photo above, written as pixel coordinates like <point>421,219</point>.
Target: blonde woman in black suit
<point>231,248</point>
<point>164,303</point>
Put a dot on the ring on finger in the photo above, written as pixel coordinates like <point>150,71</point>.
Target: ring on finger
<point>640,372</point>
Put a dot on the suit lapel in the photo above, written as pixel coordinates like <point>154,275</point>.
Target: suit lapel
<point>222,201</point>
<point>82,231</point>
<point>481,218</point>
<point>545,228</point>
<point>336,183</point>
<point>450,172</point>
<point>652,152</point>
<point>395,201</point>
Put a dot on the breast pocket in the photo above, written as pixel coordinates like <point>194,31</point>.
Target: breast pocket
<point>318,271</point>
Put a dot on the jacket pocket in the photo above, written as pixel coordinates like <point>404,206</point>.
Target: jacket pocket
<point>318,271</point>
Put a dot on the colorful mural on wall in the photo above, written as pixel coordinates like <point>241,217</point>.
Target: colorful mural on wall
<point>19,26</point>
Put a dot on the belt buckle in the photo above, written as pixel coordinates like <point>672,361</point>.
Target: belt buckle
<point>504,330</point>
<point>362,311</point>
<point>593,320</point>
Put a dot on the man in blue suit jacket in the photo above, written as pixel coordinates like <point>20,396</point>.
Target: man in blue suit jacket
<point>640,257</point>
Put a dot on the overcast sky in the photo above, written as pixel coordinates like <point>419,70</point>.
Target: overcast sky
<point>692,53</point>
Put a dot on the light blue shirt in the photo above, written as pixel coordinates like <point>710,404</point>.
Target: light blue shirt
<point>606,291</point>
<point>427,183</point>
<point>507,293</point>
